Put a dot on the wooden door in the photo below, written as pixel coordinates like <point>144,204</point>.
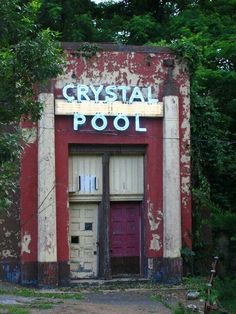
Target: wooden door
<point>125,237</point>
<point>83,240</point>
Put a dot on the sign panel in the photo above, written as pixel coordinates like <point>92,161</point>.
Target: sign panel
<point>90,108</point>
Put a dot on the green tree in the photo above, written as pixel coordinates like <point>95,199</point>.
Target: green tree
<point>29,56</point>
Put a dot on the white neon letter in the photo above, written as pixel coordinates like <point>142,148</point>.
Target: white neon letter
<point>136,94</point>
<point>82,90</point>
<point>94,122</point>
<point>137,125</point>
<point>79,119</point>
<point>96,92</point>
<point>110,92</point>
<point>124,90</point>
<point>64,92</point>
<point>126,122</point>
<point>149,96</point>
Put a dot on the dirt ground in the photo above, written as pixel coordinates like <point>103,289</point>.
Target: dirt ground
<point>161,300</point>
<point>110,303</point>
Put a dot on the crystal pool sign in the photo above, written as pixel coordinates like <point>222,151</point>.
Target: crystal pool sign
<point>101,101</point>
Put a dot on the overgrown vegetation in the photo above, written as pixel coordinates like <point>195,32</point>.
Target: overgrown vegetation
<point>29,55</point>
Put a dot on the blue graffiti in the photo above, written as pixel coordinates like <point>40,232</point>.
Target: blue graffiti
<point>10,273</point>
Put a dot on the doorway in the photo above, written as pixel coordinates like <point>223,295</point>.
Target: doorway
<point>106,192</point>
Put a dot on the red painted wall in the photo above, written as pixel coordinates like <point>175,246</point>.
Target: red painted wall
<point>65,135</point>
<point>29,196</point>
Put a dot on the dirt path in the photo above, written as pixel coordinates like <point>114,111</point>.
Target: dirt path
<point>110,303</point>
<point>156,299</point>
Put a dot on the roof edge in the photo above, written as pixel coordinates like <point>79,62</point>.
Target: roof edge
<point>117,47</point>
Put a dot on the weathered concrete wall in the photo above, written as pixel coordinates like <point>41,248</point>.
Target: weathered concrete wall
<point>171,178</point>
<point>47,234</point>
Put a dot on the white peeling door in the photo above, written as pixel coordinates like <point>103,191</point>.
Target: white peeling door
<point>83,240</point>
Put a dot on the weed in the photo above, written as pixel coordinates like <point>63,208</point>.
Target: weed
<point>226,290</point>
<point>159,298</point>
<point>180,309</point>
<point>197,284</point>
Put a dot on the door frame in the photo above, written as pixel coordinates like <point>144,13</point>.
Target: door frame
<point>104,269</point>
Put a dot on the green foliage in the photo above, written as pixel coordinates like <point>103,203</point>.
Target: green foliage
<point>29,56</point>
<point>10,151</point>
<point>226,291</point>
<point>14,309</point>
<point>141,28</point>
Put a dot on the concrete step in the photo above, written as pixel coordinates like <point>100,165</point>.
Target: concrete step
<point>114,283</point>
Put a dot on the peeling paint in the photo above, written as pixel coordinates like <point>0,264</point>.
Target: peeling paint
<point>184,90</point>
<point>7,253</point>
<point>150,263</point>
<point>7,234</point>
<point>185,184</point>
<point>29,135</point>
<point>155,242</point>
<point>185,159</point>
<point>153,221</point>
<point>25,243</point>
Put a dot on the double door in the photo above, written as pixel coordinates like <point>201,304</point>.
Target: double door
<point>122,226</point>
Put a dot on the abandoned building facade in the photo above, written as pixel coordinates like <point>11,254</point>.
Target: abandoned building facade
<point>105,173</point>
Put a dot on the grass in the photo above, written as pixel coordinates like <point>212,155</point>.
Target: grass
<point>226,293</point>
<point>42,306</point>
<point>25,309</point>
<point>197,283</point>
<point>223,291</point>
<point>13,309</point>
<point>26,292</point>
<point>180,309</point>
<point>159,298</point>
<point>41,301</point>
